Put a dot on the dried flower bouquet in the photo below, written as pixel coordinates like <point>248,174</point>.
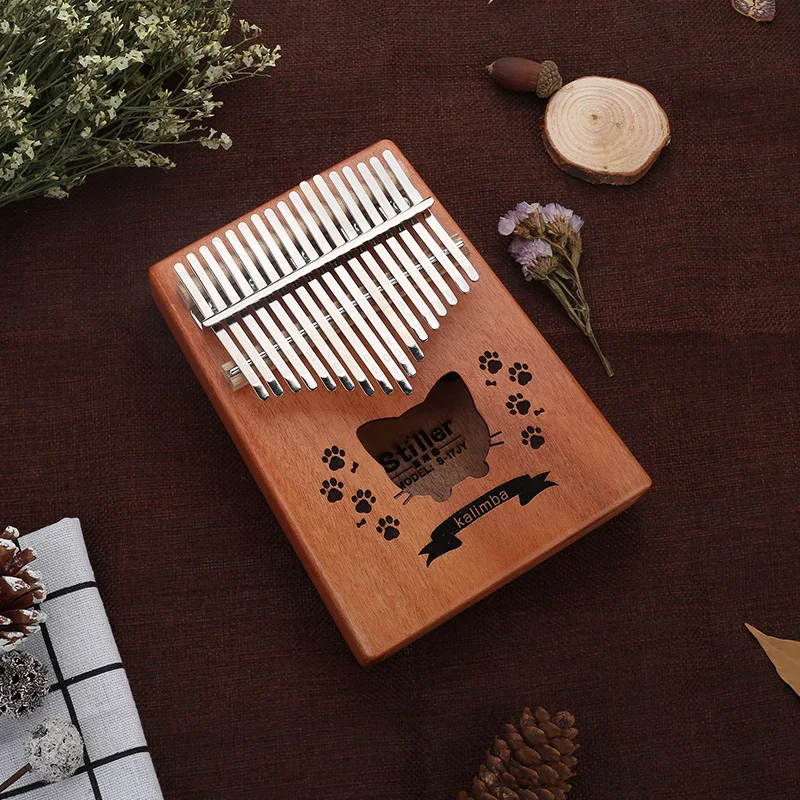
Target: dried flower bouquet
<point>547,245</point>
<point>86,85</point>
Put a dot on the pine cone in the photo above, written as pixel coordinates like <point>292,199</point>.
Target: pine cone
<point>20,588</point>
<point>533,761</point>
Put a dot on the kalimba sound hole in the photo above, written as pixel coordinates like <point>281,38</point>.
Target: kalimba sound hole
<point>434,445</point>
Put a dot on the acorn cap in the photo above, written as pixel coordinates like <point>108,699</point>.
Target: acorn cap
<point>549,79</point>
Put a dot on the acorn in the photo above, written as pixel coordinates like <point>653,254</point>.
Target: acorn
<point>524,75</point>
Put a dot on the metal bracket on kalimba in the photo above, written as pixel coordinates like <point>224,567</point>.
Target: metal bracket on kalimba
<point>347,281</point>
<point>236,380</point>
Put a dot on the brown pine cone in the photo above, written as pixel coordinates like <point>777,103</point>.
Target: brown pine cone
<point>531,761</point>
<point>20,588</point>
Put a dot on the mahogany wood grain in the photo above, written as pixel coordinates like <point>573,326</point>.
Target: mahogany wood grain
<point>381,593</point>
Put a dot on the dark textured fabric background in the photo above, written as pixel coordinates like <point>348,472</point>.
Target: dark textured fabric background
<point>245,687</point>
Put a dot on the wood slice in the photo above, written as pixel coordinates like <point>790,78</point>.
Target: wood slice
<point>605,130</point>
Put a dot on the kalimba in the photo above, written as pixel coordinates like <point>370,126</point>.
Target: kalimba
<point>415,436</point>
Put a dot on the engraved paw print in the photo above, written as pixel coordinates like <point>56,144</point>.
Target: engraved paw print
<point>332,489</point>
<point>364,500</point>
<point>333,457</point>
<point>519,374</point>
<point>490,361</point>
<point>388,526</point>
<point>518,405</point>
<point>531,437</point>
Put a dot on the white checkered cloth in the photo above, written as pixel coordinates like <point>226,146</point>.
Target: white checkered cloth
<point>90,687</point>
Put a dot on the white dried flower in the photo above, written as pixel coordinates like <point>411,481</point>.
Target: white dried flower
<point>24,683</point>
<point>54,750</point>
<point>216,140</point>
<point>130,77</point>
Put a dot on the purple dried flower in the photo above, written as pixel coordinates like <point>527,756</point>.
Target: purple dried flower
<point>553,211</point>
<point>509,221</point>
<point>535,256</point>
<point>526,251</point>
<point>560,220</point>
<point>547,245</point>
<point>526,209</point>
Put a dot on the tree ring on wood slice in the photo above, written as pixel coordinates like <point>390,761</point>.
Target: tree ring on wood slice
<point>605,130</point>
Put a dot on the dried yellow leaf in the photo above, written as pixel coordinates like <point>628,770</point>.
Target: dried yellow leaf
<point>783,653</point>
<point>759,10</point>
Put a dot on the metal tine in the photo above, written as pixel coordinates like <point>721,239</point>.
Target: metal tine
<point>219,274</point>
<point>305,271</point>
<point>271,351</point>
<point>357,293</point>
<point>280,259</point>
<point>358,215</point>
<point>211,290</point>
<point>398,199</point>
<point>441,256</point>
<point>349,305</point>
<point>416,274</point>
<point>399,173</point>
<point>256,360</point>
<point>198,298</point>
<point>286,242</point>
<point>395,297</point>
<point>297,231</point>
<point>391,315</point>
<point>241,362</point>
<point>242,281</point>
<point>407,286</point>
<point>195,293</point>
<point>333,337</point>
<point>346,226</point>
<point>299,340</point>
<point>337,315</point>
<point>447,240</point>
<point>258,250</point>
<point>285,347</point>
<point>244,257</point>
<point>363,197</point>
<point>425,262</point>
<point>386,207</point>
<point>334,234</point>
<point>323,245</point>
<point>312,332</point>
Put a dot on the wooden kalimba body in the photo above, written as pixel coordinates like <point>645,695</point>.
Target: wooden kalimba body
<point>416,437</point>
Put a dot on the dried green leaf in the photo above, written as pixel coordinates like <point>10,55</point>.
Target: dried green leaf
<point>784,654</point>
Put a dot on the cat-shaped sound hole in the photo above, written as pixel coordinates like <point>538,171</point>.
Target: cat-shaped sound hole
<point>433,446</point>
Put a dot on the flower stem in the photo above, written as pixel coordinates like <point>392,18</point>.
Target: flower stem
<point>593,339</point>
<point>22,771</point>
<point>578,309</point>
